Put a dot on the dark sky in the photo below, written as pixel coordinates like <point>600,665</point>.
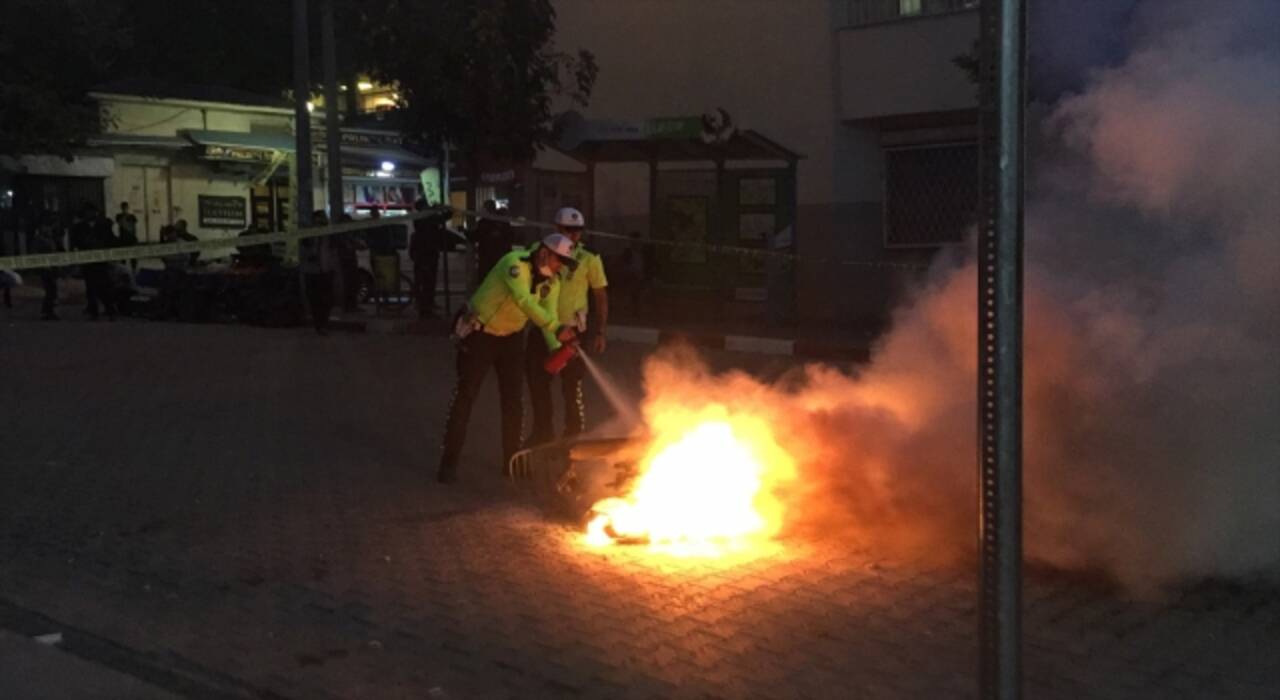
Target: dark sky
<point>1067,38</point>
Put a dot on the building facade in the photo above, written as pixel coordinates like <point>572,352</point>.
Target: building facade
<point>867,92</point>
<point>219,159</point>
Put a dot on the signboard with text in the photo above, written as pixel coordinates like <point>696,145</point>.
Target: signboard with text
<point>223,212</point>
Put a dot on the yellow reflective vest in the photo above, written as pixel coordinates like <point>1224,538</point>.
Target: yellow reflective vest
<point>508,298</point>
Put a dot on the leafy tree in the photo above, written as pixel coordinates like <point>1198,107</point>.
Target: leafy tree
<point>483,74</point>
<point>243,44</point>
<point>52,52</point>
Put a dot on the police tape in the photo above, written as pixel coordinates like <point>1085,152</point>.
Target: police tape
<point>163,250</point>
<point>160,250</point>
<point>716,248</point>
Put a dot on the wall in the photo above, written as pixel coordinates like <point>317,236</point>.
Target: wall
<point>905,67</point>
<point>147,118</point>
<point>768,63</point>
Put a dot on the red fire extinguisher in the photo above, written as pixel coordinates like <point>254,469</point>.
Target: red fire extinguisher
<point>560,358</point>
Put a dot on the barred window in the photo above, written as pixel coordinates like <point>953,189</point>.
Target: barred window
<point>931,194</point>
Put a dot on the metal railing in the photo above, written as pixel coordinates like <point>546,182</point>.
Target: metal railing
<point>865,12</point>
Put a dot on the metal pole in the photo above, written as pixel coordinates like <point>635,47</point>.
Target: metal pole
<point>446,196</point>
<point>333,137</point>
<point>1003,31</point>
<point>302,204</point>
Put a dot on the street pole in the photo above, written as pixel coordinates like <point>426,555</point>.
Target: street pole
<point>446,199</point>
<point>302,204</point>
<point>333,137</point>
<point>1002,29</point>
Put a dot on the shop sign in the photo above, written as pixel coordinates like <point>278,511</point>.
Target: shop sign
<point>250,155</point>
<point>352,138</point>
<point>222,212</point>
<point>431,189</point>
<point>499,177</point>
<point>676,128</point>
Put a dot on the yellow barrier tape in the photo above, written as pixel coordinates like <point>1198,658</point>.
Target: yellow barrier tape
<point>156,250</point>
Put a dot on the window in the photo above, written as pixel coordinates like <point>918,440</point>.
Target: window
<point>931,194</point>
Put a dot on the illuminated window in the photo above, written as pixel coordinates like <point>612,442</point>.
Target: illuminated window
<point>907,8</point>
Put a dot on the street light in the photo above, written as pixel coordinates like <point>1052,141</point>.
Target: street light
<point>388,166</point>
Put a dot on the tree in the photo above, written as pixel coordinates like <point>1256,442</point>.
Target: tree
<point>242,44</point>
<point>52,52</point>
<point>482,74</point>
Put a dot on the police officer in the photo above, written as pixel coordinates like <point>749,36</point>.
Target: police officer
<point>523,286</point>
<point>585,277</point>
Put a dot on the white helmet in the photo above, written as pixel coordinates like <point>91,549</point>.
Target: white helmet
<point>570,218</point>
<point>560,244</point>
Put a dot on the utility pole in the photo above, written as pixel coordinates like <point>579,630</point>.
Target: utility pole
<point>302,204</point>
<point>1002,29</point>
<point>333,138</point>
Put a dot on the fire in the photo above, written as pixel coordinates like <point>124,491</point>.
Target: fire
<point>708,483</point>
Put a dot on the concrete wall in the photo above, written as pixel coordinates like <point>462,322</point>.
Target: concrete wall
<point>906,67</point>
<point>149,118</point>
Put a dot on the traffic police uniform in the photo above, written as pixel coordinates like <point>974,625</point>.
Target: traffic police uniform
<point>511,294</point>
<point>572,311</point>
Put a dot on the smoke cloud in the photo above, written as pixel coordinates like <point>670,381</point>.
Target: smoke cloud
<point>1152,385</point>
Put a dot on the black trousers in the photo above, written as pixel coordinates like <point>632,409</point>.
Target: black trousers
<point>575,410</point>
<point>424,283</point>
<point>350,281</point>
<point>49,279</point>
<point>97,289</point>
<point>477,353</point>
<point>320,298</point>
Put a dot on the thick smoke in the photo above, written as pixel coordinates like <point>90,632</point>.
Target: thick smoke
<point>1152,386</point>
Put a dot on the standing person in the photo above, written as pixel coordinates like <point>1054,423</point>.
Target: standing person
<point>424,251</point>
<point>87,233</point>
<point>182,235</point>
<point>524,286</point>
<point>346,245</point>
<point>493,239</point>
<point>43,243</point>
<point>317,269</point>
<point>572,309</point>
<point>127,226</point>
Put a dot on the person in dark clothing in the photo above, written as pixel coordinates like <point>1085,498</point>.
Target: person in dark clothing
<point>182,235</point>
<point>346,245</point>
<point>127,227</point>
<point>424,250</point>
<point>317,269</point>
<point>43,243</point>
<point>89,232</point>
<point>493,239</point>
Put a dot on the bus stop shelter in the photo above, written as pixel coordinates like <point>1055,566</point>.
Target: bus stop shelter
<point>716,194</point>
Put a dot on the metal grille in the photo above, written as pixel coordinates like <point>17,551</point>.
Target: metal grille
<point>931,194</point>
<point>1003,51</point>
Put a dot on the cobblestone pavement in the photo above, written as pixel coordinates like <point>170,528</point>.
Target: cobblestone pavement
<point>230,512</point>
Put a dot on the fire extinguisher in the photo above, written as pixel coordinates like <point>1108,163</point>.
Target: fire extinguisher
<point>560,358</point>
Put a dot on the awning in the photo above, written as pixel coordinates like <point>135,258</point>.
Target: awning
<point>741,145</point>
<point>138,141</point>
<point>377,154</point>
<point>239,145</point>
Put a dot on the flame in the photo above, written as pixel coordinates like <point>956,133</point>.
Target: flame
<point>707,485</point>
